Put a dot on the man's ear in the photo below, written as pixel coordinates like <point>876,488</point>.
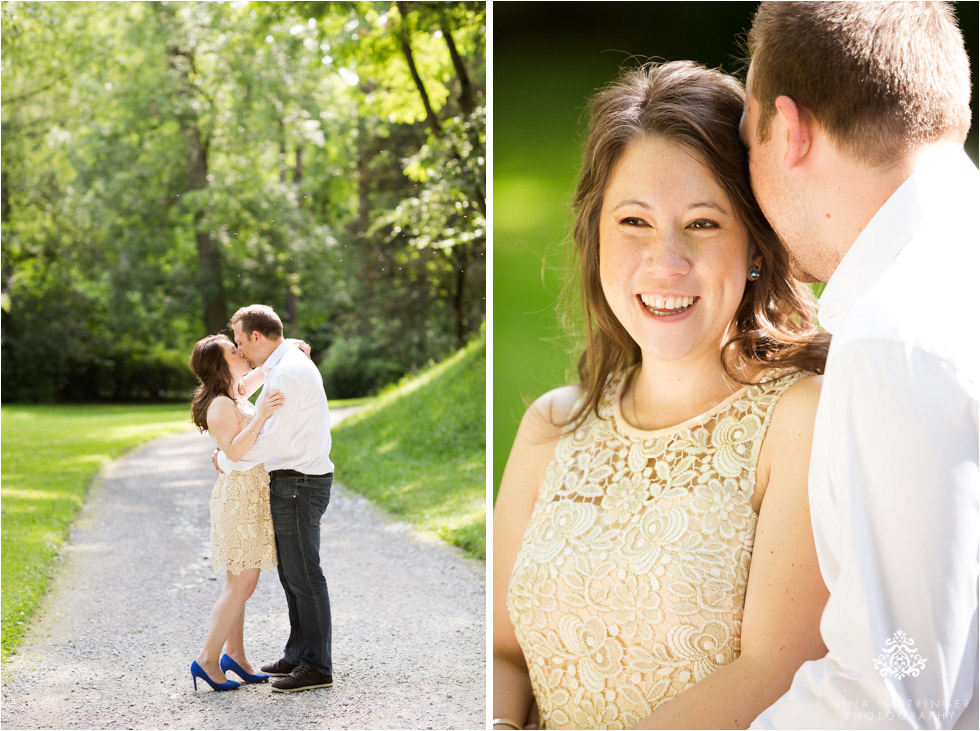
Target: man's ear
<point>797,129</point>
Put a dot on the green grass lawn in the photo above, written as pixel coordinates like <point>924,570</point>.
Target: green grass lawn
<point>49,456</point>
<point>342,403</point>
<point>420,451</point>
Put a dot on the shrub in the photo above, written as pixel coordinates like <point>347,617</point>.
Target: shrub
<point>356,366</point>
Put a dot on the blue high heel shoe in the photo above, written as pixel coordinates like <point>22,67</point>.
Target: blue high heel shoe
<point>198,672</point>
<point>228,664</point>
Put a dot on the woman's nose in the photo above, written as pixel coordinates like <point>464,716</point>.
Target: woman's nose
<point>666,256</point>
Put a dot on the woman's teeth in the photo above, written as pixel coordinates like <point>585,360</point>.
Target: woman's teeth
<point>666,305</point>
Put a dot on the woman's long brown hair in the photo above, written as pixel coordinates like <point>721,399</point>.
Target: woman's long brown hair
<point>699,108</point>
<point>209,365</point>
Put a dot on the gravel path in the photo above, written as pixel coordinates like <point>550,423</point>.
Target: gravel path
<point>128,609</point>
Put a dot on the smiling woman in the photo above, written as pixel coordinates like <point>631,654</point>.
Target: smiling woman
<point>673,263</point>
<point>665,210</point>
<point>631,502</point>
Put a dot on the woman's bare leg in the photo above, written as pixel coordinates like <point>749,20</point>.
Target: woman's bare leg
<point>227,613</point>
<point>235,644</point>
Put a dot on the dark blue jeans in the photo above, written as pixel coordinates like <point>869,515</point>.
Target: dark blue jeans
<point>297,506</point>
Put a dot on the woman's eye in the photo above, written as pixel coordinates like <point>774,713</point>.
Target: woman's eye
<point>633,221</point>
<point>702,223</point>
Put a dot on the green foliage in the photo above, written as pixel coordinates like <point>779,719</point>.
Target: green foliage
<point>49,457</point>
<point>166,163</point>
<point>419,451</point>
<point>356,365</point>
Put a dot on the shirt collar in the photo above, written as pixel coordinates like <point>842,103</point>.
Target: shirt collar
<point>277,355</point>
<point>895,223</point>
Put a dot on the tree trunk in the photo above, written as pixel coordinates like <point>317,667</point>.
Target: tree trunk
<point>465,99</point>
<point>298,170</point>
<point>282,151</point>
<point>291,299</point>
<point>430,115</point>
<point>208,256</point>
<point>459,305</point>
<point>363,178</point>
<point>210,281</point>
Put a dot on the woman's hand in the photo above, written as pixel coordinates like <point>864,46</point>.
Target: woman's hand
<point>272,402</point>
<point>302,345</point>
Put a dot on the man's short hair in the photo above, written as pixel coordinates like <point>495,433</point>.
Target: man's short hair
<point>258,318</point>
<point>882,78</point>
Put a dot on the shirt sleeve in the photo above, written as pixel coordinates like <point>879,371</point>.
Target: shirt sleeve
<point>901,522</point>
<point>277,434</point>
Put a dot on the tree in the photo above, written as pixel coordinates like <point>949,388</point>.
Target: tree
<point>165,163</point>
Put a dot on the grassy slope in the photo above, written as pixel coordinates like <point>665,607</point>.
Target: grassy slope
<point>49,456</point>
<point>420,450</point>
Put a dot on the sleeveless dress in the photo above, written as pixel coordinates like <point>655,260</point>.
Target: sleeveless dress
<point>241,520</point>
<point>630,582</point>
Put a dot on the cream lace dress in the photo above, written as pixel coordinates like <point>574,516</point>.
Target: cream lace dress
<point>630,582</point>
<point>241,520</point>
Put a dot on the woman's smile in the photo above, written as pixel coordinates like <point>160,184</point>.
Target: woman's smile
<point>667,308</point>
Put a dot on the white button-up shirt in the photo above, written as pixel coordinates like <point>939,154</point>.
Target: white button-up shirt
<point>297,435</point>
<point>894,478</point>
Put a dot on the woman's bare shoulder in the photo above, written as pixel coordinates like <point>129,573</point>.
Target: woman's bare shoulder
<point>221,403</point>
<point>790,432</point>
<point>798,402</point>
<point>534,448</point>
<point>221,408</point>
<point>546,418</point>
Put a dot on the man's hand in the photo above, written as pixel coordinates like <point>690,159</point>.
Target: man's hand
<point>214,460</point>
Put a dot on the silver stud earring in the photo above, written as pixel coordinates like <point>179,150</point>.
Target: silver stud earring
<point>754,272</point>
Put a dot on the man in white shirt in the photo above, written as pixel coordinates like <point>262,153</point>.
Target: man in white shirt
<point>294,446</point>
<point>855,119</point>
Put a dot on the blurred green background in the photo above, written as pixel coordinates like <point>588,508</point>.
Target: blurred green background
<point>548,58</point>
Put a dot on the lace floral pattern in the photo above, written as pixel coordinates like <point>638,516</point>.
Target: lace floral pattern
<point>630,583</point>
<point>241,520</point>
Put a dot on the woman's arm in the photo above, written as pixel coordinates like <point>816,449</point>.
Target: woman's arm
<point>253,380</point>
<point>533,450</point>
<point>223,424</point>
<point>785,594</point>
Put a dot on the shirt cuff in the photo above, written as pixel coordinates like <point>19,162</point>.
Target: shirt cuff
<point>224,463</point>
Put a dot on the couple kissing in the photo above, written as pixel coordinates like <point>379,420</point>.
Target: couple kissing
<point>272,490</point>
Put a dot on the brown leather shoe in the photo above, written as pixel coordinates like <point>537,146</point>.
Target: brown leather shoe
<point>303,678</point>
<point>280,668</point>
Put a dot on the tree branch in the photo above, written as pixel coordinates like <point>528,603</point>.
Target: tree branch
<point>430,115</point>
<point>466,103</point>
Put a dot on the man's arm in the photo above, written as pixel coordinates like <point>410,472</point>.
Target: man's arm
<point>905,487</point>
<point>276,438</point>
